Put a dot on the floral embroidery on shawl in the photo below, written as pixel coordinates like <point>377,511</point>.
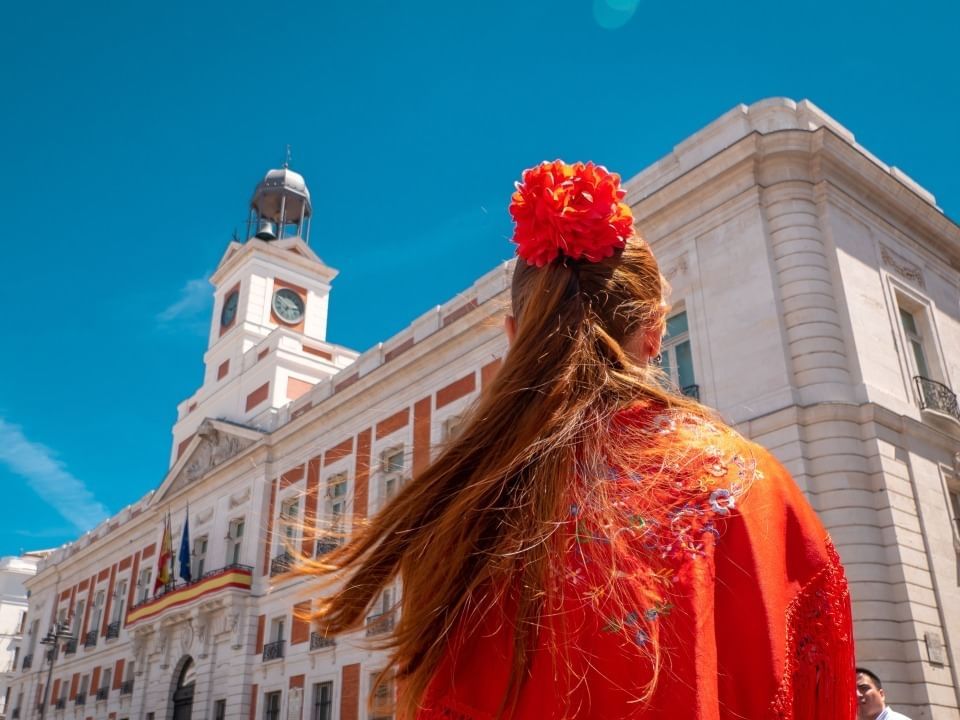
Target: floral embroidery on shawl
<point>670,522</point>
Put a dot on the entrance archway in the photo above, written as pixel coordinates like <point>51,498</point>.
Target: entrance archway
<point>183,689</point>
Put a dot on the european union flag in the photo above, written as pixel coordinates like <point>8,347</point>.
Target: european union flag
<point>185,549</point>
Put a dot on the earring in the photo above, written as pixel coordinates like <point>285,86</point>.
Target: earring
<point>658,360</point>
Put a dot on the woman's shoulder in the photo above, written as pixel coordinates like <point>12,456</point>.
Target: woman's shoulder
<point>697,471</point>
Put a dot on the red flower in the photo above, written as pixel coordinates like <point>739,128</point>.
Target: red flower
<point>575,211</point>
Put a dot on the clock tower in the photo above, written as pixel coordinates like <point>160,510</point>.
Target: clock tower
<point>267,343</point>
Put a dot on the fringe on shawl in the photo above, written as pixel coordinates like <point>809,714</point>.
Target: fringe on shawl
<point>818,681</point>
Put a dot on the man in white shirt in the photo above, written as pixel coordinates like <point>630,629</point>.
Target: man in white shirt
<point>872,703</point>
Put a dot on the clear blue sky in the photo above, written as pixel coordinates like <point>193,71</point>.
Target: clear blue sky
<point>133,135</point>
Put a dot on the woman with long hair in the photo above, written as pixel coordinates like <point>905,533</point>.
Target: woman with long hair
<point>594,544</point>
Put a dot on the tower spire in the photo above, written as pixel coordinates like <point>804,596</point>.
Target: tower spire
<point>286,161</point>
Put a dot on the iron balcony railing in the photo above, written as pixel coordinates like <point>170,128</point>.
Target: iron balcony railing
<point>325,545</point>
<point>937,396</point>
<point>691,391</point>
<point>80,699</point>
<point>40,708</point>
<point>113,630</point>
<point>273,651</point>
<point>27,662</point>
<point>380,623</point>
<point>126,687</point>
<point>61,703</point>
<point>15,713</point>
<point>174,587</point>
<point>103,693</point>
<point>70,646</point>
<point>318,641</point>
<point>90,639</point>
<point>281,563</point>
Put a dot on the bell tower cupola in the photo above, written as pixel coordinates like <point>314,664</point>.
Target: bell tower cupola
<point>280,207</point>
<point>268,330</point>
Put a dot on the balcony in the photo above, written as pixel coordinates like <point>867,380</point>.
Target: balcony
<point>15,713</point>
<point>61,703</point>
<point>319,641</point>
<point>937,397</point>
<point>215,581</point>
<point>381,623</point>
<point>80,699</point>
<point>273,651</point>
<point>281,564</point>
<point>70,646</point>
<point>126,687</point>
<point>27,662</point>
<point>113,630</point>
<point>691,391</point>
<point>90,639</point>
<point>103,693</point>
<point>324,546</point>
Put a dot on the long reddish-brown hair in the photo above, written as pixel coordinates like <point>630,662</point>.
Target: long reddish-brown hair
<point>481,520</point>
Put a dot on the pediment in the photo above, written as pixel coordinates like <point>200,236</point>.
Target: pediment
<point>214,443</point>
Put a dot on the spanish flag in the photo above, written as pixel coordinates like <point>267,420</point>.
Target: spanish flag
<point>164,559</point>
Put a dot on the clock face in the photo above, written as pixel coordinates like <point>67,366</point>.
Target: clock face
<point>229,311</point>
<point>288,306</point>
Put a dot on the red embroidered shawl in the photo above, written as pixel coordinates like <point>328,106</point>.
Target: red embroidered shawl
<point>751,608</point>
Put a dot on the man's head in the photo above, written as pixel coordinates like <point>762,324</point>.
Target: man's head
<point>870,697</point>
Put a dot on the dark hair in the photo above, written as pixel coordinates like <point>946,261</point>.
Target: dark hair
<point>870,674</point>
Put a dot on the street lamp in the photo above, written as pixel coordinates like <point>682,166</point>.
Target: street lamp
<point>53,638</point>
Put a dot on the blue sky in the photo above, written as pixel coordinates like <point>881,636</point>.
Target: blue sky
<point>134,133</point>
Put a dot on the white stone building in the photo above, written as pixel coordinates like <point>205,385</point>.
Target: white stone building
<point>816,304</point>
<point>14,571</point>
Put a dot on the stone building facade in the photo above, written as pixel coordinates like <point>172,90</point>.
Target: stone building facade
<point>816,304</point>
<point>14,571</point>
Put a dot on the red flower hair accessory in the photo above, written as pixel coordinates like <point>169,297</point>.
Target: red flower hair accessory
<point>575,211</point>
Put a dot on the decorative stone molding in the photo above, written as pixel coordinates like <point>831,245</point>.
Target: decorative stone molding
<point>901,266</point>
<point>215,448</point>
<point>679,267</point>
<point>239,498</point>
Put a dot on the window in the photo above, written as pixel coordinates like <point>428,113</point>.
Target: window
<point>78,619</point>
<point>34,630</point>
<point>106,679</point>
<point>322,701</point>
<point>98,609</point>
<point>452,427</point>
<point>290,522</point>
<point>220,710</point>
<point>677,356</point>
<point>336,506</point>
<point>276,629</point>
<point>143,584</point>
<point>392,462</point>
<point>199,557</point>
<point>119,601</point>
<point>271,706</point>
<point>234,541</point>
<point>918,357</point>
<point>382,696</point>
<point>954,493</point>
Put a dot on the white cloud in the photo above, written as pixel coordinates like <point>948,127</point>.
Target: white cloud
<point>48,477</point>
<point>195,298</point>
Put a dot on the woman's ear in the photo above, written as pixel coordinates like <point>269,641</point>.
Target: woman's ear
<point>510,328</point>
